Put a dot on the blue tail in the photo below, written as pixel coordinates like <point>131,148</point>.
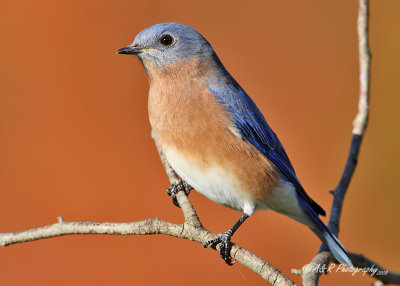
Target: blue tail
<point>327,237</point>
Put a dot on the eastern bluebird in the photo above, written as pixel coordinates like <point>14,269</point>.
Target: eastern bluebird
<point>214,136</point>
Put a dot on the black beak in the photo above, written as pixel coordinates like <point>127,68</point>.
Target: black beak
<point>130,50</point>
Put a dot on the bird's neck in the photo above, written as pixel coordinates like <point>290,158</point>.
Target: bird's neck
<point>182,71</point>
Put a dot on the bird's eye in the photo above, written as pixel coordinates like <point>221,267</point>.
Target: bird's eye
<point>166,40</point>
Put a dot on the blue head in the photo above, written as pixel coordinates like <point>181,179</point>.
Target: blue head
<point>167,43</point>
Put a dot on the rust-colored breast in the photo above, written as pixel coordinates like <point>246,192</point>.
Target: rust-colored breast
<point>184,115</point>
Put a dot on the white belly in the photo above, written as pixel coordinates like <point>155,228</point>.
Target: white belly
<point>215,182</point>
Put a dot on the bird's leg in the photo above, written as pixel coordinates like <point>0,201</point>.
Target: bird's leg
<point>176,187</point>
<point>225,240</point>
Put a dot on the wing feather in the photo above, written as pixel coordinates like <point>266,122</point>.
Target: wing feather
<point>253,128</point>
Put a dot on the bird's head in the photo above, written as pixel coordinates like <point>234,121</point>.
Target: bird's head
<point>163,44</point>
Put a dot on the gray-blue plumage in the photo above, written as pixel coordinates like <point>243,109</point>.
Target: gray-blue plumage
<point>187,43</point>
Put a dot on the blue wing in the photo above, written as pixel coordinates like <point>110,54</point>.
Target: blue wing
<point>254,129</point>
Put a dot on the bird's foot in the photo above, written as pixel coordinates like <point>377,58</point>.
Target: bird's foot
<point>175,188</point>
<point>225,246</point>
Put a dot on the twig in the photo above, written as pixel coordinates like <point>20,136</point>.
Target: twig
<point>361,120</point>
<point>323,258</point>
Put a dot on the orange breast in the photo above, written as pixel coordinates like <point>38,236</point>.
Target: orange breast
<point>186,116</point>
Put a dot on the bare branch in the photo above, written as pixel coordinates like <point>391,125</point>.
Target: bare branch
<point>308,272</point>
<point>360,123</point>
<point>323,258</point>
<point>361,120</point>
<point>148,226</point>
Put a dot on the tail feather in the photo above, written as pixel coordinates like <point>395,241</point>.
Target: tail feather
<point>327,237</point>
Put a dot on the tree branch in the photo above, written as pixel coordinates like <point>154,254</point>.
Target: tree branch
<point>361,120</point>
<point>323,258</point>
<point>146,227</point>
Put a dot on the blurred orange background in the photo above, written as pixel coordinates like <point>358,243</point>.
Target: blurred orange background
<point>75,138</point>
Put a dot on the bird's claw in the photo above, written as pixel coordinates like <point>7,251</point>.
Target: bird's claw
<point>225,246</point>
<point>175,188</point>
